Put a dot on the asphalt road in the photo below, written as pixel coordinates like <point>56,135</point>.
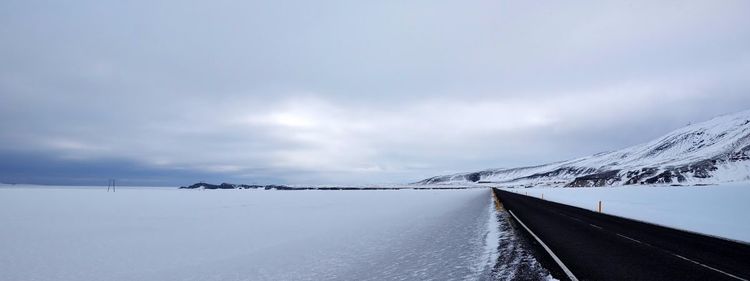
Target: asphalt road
<point>595,246</point>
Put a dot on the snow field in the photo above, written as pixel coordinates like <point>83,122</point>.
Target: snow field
<point>718,210</point>
<point>157,234</point>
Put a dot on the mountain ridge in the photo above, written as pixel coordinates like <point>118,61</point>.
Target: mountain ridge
<point>713,151</point>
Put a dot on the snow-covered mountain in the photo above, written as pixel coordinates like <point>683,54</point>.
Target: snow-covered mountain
<point>714,151</point>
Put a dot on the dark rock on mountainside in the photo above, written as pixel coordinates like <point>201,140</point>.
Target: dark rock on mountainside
<point>598,179</point>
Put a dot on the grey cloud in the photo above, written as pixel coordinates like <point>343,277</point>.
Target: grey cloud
<point>357,92</point>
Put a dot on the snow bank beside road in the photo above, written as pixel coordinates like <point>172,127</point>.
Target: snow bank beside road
<point>719,210</point>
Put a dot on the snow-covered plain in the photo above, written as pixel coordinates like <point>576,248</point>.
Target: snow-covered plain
<point>718,210</point>
<point>168,234</point>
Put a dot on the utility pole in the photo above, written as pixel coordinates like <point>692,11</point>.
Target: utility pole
<point>111,185</point>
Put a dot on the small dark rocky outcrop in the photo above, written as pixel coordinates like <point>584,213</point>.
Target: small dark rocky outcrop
<point>204,185</point>
<point>473,177</point>
<point>208,186</point>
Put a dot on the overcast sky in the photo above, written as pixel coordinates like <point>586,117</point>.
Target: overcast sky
<point>351,92</point>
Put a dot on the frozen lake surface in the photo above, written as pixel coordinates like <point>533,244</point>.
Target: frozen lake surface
<point>169,234</point>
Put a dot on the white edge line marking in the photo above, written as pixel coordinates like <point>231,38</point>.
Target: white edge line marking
<point>549,251</point>
<point>599,227</point>
<point>631,239</point>
<point>711,268</point>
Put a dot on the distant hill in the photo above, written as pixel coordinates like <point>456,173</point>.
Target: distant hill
<point>713,151</point>
<point>203,185</point>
